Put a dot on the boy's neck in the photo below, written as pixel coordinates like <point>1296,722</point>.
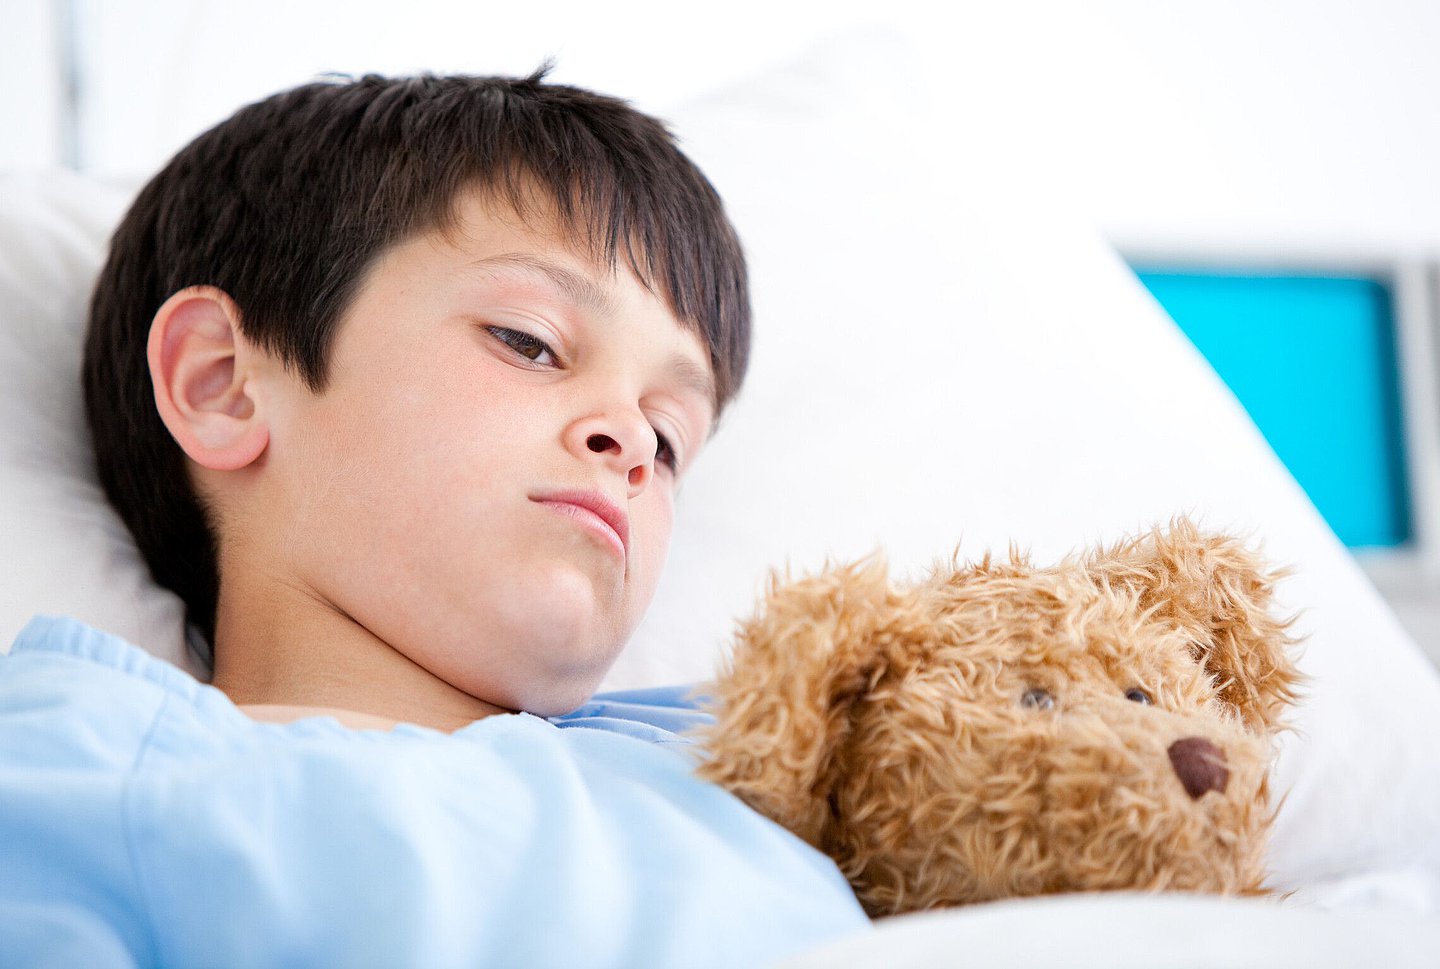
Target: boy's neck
<point>281,713</point>
<point>287,655</point>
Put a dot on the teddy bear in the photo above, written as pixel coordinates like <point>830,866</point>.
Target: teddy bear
<point>994,730</point>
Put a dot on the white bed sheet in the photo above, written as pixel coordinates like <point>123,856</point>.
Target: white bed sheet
<point>1137,932</point>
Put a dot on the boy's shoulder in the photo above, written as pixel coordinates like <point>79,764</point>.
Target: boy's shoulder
<point>70,693</point>
<point>132,790</point>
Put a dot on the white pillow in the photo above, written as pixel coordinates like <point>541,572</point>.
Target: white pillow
<point>941,354</point>
<point>945,353</point>
<point>64,549</point>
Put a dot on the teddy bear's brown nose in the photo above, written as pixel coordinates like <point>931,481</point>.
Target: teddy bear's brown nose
<point>1200,765</point>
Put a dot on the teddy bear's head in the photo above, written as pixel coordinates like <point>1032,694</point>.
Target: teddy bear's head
<point>998,729</point>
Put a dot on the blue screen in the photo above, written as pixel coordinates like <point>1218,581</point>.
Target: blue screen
<point>1312,358</point>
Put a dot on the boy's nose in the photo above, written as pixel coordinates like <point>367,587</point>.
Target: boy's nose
<point>605,444</point>
<point>625,443</point>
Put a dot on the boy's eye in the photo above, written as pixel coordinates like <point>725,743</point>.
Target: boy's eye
<point>664,453</point>
<point>524,344</point>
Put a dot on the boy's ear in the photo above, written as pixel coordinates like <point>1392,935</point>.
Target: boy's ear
<point>200,366</point>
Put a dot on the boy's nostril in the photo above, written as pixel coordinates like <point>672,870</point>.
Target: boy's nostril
<point>1200,765</point>
<point>600,443</point>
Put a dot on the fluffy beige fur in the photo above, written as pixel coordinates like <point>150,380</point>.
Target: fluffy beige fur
<point>985,732</point>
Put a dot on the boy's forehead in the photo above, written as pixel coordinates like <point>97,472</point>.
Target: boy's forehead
<point>534,239</point>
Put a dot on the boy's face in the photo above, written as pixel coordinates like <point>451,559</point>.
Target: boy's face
<point>479,484</point>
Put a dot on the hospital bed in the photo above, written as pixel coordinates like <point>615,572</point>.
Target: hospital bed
<point>945,356</point>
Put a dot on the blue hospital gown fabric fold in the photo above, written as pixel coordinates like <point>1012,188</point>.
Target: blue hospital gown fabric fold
<point>145,821</point>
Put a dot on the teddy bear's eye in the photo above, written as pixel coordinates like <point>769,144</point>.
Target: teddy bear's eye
<point>1037,699</point>
<point>1137,695</point>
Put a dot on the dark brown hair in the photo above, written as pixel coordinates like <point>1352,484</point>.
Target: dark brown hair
<point>286,204</point>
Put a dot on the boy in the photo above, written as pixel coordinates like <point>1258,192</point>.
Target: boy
<point>394,382</point>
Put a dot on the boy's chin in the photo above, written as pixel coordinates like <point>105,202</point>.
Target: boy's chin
<point>538,635</point>
<point>570,603</point>
<point>546,689</point>
<point>560,639</point>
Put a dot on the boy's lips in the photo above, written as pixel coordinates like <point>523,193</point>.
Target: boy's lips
<point>591,508</point>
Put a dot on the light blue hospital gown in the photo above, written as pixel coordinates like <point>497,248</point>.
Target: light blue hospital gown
<point>144,820</point>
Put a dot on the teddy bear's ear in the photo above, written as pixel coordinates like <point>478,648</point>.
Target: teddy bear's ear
<point>1220,593</point>
<point>783,705</point>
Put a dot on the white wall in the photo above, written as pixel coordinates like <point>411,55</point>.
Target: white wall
<point>31,88</point>
<point>1287,124</point>
<point>164,69</point>
<point>1299,124</point>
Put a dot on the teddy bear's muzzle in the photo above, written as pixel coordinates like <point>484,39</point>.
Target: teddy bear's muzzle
<point>1200,765</point>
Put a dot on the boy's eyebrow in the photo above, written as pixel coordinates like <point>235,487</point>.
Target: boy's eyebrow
<point>696,379</point>
<point>578,289</point>
<point>584,293</point>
